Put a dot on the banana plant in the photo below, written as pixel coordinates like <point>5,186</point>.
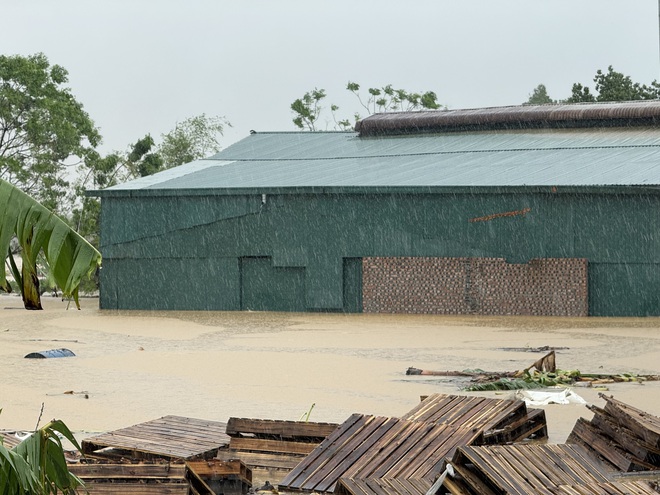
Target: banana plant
<point>38,230</point>
<point>37,465</point>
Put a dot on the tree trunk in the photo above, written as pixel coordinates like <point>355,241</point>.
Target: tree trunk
<point>30,286</point>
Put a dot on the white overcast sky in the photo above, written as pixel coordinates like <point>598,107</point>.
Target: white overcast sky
<point>140,66</point>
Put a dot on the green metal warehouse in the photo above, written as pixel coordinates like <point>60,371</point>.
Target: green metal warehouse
<point>540,210</point>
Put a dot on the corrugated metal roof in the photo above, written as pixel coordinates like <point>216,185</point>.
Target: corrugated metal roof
<point>577,157</point>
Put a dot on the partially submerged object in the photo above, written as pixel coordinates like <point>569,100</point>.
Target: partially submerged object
<point>51,353</point>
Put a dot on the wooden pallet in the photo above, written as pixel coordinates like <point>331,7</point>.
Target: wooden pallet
<point>377,447</point>
<point>502,421</point>
<point>170,437</point>
<point>299,431</point>
<point>624,436</point>
<point>111,478</point>
<point>523,469</point>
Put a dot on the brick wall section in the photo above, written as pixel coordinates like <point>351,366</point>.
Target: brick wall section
<point>481,286</point>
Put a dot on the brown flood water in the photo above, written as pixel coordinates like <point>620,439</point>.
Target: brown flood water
<point>137,366</point>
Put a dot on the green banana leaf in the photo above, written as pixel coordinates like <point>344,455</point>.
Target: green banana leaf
<point>37,464</point>
<point>69,256</point>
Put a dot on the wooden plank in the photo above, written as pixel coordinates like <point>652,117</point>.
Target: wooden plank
<point>266,461</point>
<point>217,468</point>
<point>280,446</point>
<point>137,488</point>
<point>283,429</point>
<point>638,475</point>
<point>127,471</point>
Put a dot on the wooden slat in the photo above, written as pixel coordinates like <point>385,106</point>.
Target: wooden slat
<point>283,429</point>
<point>272,446</point>
<point>128,471</point>
<point>218,468</point>
<point>612,488</point>
<point>137,488</point>
<point>266,461</point>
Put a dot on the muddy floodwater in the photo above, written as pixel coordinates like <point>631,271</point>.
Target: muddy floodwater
<point>137,366</point>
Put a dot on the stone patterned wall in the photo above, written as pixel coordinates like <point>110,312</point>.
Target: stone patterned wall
<point>481,286</point>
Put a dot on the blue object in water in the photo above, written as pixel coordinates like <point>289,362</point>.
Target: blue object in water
<point>52,353</point>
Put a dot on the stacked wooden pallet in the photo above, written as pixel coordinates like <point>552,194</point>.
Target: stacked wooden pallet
<point>171,455</point>
<point>365,450</point>
<point>624,436</point>
<point>271,448</point>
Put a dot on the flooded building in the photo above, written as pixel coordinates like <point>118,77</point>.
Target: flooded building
<point>536,210</point>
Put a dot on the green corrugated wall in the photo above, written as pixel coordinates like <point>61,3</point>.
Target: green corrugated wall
<point>301,252</point>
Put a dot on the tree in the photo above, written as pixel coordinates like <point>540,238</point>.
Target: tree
<point>192,139</point>
<point>68,256</point>
<point>307,110</point>
<point>614,86</point>
<point>539,96</point>
<point>42,127</point>
<point>37,465</point>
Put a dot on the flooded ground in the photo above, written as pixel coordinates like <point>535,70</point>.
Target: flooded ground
<point>137,366</point>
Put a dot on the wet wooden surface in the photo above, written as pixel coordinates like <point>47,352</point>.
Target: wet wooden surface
<point>170,437</point>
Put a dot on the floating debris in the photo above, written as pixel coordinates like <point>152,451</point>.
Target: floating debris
<point>542,373</point>
<point>52,353</point>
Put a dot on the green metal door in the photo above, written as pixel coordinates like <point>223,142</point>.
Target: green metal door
<point>265,287</point>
